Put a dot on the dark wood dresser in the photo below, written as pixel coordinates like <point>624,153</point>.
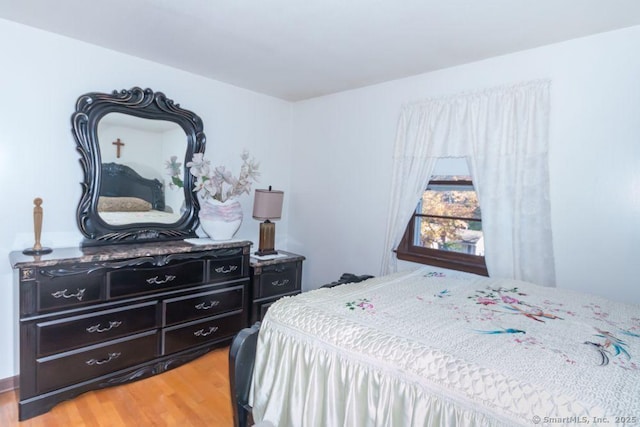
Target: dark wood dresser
<point>95,317</point>
<point>273,277</point>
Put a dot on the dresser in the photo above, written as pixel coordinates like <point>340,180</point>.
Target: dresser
<point>273,277</point>
<point>95,317</point>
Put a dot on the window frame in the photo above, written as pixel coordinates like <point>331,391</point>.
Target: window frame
<point>408,251</point>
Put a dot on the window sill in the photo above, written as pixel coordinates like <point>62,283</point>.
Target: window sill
<point>450,260</point>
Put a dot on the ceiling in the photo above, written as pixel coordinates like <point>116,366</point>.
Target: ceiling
<point>299,49</point>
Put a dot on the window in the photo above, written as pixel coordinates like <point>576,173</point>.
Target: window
<point>446,227</point>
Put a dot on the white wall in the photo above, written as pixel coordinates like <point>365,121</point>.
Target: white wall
<point>343,145</point>
<point>41,77</point>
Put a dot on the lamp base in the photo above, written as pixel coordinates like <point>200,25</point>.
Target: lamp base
<point>264,253</point>
<point>267,237</point>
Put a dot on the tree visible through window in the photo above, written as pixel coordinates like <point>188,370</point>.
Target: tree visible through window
<point>446,228</point>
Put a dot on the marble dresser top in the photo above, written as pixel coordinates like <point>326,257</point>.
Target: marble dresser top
<point>119,251</point>
<point>280,257</point>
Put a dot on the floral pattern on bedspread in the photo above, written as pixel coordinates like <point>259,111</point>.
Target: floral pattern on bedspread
<point>500,303</point>
<point>550,348</point>
<point>362,303</point>
<point>608,347</point>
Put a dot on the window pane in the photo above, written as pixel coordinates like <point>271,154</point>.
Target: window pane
<point>450,178</point>
<point>446,228</point>
<point>450,200</point>
<point>449,235</point>
<point>460,234</point>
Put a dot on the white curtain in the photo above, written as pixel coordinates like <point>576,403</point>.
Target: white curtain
<point>503,134</point>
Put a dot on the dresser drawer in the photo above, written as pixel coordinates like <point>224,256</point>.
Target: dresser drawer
<point>69,368</point>
<point>227,268</point>
<point>59,288</point>
<point>202,305</point>
<point>276,280</point>
<point>80,331</point>
<point>202,332</point>
<point>142,280</point>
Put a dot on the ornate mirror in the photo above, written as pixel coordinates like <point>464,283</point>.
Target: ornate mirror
<point>126,140</point>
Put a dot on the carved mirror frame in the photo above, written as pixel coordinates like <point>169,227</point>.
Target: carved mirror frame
<point>146,104</point>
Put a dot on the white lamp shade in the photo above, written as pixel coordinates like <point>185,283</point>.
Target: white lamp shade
<point>268,204</point>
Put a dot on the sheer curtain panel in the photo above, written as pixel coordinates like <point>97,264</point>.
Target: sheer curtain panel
<point>503,134</point>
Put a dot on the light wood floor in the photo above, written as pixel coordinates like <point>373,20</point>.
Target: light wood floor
<point>195,394</point>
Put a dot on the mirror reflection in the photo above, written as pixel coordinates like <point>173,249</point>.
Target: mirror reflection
<point>135,186</point>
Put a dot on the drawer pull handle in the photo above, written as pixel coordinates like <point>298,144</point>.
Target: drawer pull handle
<point>226,270</point>
<point>203,333</point>
<point>97,328</point>
<point>111,357</point>
<point>280,283</point>
<point>63,294</point>
<point>204,306</point>
<point>155,281</point>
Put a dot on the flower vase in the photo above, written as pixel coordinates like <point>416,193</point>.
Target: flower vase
<point>220,220</point>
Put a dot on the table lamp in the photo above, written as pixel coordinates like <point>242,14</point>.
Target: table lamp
<point>267,206</point>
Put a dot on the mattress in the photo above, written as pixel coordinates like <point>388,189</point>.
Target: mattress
<point>420,348</point>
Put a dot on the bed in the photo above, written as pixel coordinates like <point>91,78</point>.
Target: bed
<point>126,197</point>
<point>423,348</point>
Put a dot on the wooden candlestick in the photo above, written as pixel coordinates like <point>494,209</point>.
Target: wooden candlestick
<point>37,228</point>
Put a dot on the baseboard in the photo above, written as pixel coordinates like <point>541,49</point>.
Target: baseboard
<point>8,384</point>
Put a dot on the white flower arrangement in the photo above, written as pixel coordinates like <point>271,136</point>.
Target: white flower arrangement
<point>218,183</point>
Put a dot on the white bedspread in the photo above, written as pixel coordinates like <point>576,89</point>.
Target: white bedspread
<point>416,349</point>
<point>152,216</point>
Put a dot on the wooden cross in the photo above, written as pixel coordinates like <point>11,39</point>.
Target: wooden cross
<point>118,145</point>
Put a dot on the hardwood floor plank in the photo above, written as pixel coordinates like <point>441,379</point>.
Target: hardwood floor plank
<point>8,408</point>
<point>193,395</point>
